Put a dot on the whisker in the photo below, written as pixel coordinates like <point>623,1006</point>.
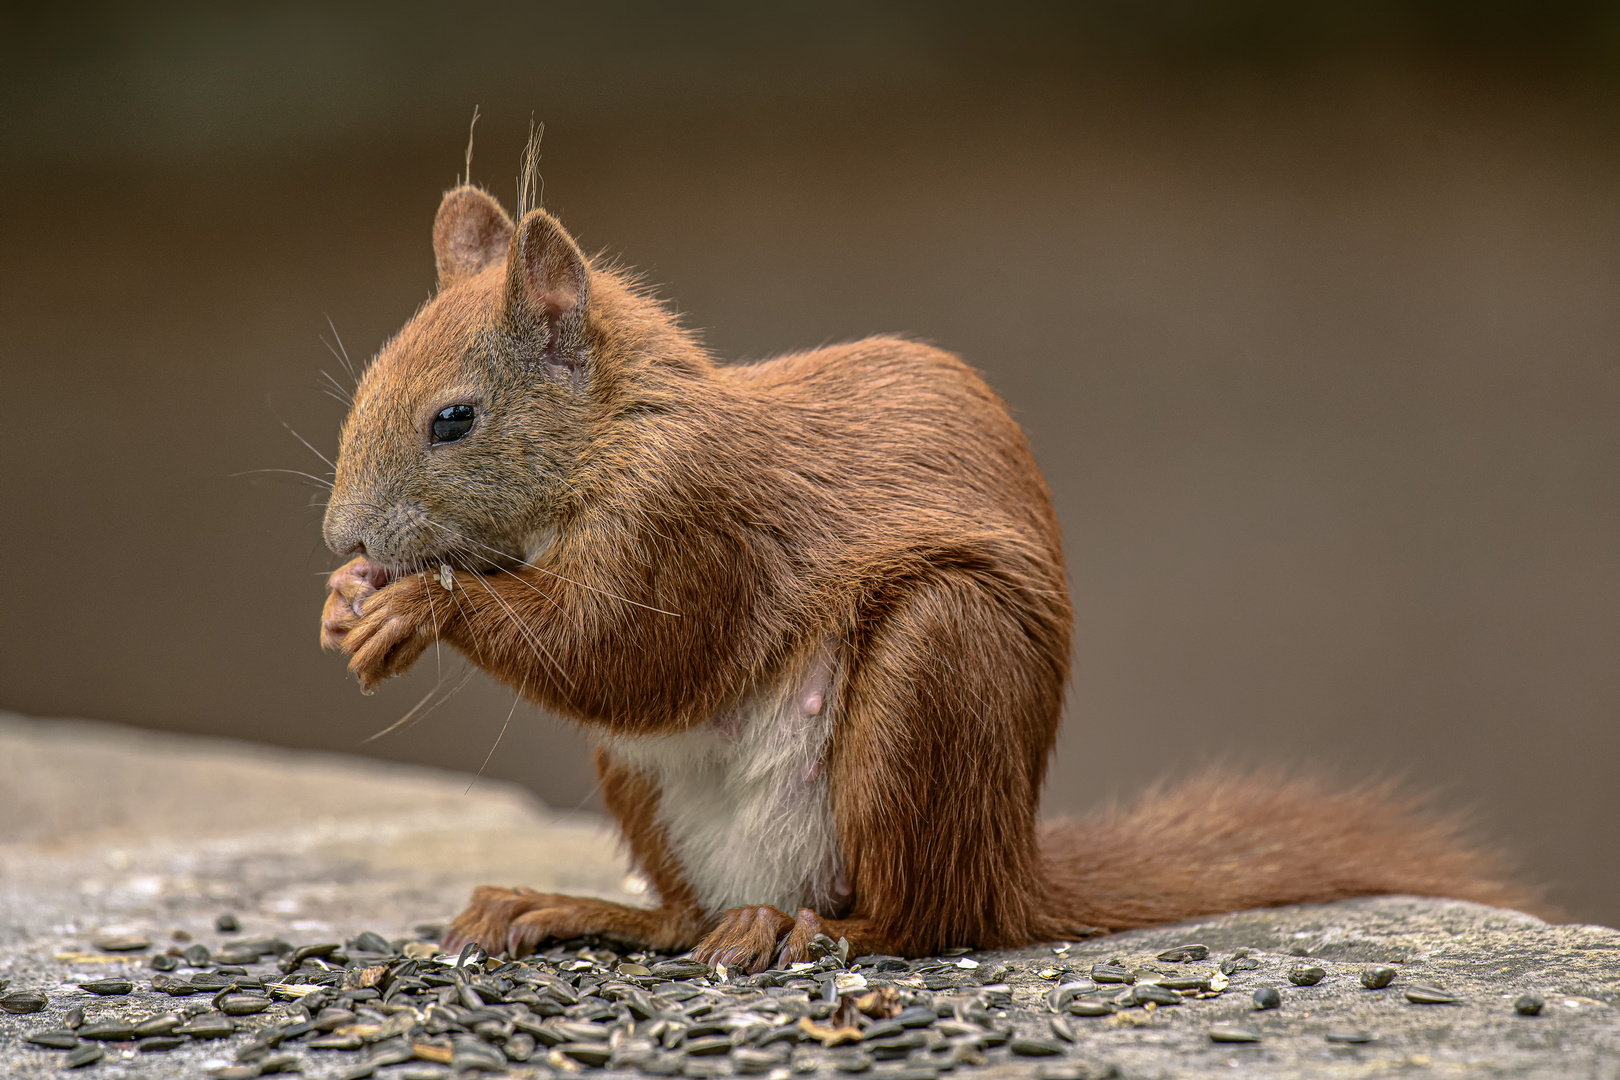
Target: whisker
<point>336,391</point>
<point>312,449</point>
<point>438,653</point>
<point>415,708</point>
<point>502,569</point>
<point>541,652</point>
<point>327,484</point>
<point>499,736</point>
<point>343,359</point>
<point>549,573</point>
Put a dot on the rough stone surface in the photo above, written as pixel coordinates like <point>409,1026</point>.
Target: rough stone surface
<point>108,833</point>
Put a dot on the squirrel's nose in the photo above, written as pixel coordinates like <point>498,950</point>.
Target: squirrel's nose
<point>342,534</point>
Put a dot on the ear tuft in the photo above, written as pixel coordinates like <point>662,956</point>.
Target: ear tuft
<point>547,282</point>
<point>470,232</point>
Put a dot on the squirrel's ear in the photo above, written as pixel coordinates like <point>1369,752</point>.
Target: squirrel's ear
<point>547,287</point>
<point>470,232</point>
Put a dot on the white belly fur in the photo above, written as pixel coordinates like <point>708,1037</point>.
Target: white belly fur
<point>744,799</point>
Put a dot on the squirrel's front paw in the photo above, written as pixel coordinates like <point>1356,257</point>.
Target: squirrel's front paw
<point>350,584</point>
<point>395,625</point>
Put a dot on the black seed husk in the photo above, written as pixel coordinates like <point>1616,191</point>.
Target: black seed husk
<point>157,1025</point>
<point>107,987</point>
<point>1377,977</point>
<point>127,943</point>
<point>1159,995</point>
<point>1181,954</point>
<point>86,1054</point>
<point>24,1001</point>
<point>1026,1046</point>
<point>55,1039</point>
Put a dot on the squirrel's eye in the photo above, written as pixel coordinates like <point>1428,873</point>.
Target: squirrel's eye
<point>452,423</point>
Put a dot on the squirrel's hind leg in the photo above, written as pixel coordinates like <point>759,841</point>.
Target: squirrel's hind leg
<point>515,921</point>
<point>948,716</point>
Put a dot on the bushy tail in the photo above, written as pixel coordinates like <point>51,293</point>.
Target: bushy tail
<point>1224,843</point>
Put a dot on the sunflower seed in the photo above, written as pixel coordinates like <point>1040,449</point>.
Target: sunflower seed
<point>899,1047</point>
<point>242,1004</point>
<point>1376,978</point>
<point>706,1045</point>
<point>56,1039</point>
<point>915,1016</point>
<point>1342,1035</point>
<point>1430,995</point>
<point>1027,1046</point>
<point>279,1063</point>
<point>156,1043</point>
<point>1072,1070</point>
<point>1159,995</point>
<point>1181,954</point>
<point>678,969</point>
<point>107,987</point>
<point>157,1025</point>
<point>208,1026</point>
<point>87,1054</point>
<point>124,943</point>
<point>595,1054</point>
<point>196,955</point>
<point>749,1061</point>
<point>1267,998</point>
<point>24,1001</point>
<point>1111,973</point>
<point>1306,976</point>
<point>519,1046</point>
<point>227,923</point>
<point>1231,1033</point>
<point>1527,1005</point>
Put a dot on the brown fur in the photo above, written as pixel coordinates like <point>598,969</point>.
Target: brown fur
<point>640,537</point>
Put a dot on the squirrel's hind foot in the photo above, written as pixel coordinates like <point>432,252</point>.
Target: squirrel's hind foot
<point>516,921</point>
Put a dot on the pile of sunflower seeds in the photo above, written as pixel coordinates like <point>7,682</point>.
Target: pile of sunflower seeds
<point>401,1010</point>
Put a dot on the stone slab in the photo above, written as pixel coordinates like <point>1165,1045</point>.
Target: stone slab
<point>105,830</point>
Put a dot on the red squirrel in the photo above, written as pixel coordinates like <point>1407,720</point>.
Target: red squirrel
<point>814,610</point>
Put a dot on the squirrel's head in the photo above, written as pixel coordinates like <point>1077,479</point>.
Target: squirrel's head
<point>465,428</point>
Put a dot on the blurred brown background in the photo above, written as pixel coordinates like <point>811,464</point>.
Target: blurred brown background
<point>1311,315</point>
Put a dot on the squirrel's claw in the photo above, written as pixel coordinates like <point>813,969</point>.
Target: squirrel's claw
<point>392,632</point>
<point>350,585</point>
